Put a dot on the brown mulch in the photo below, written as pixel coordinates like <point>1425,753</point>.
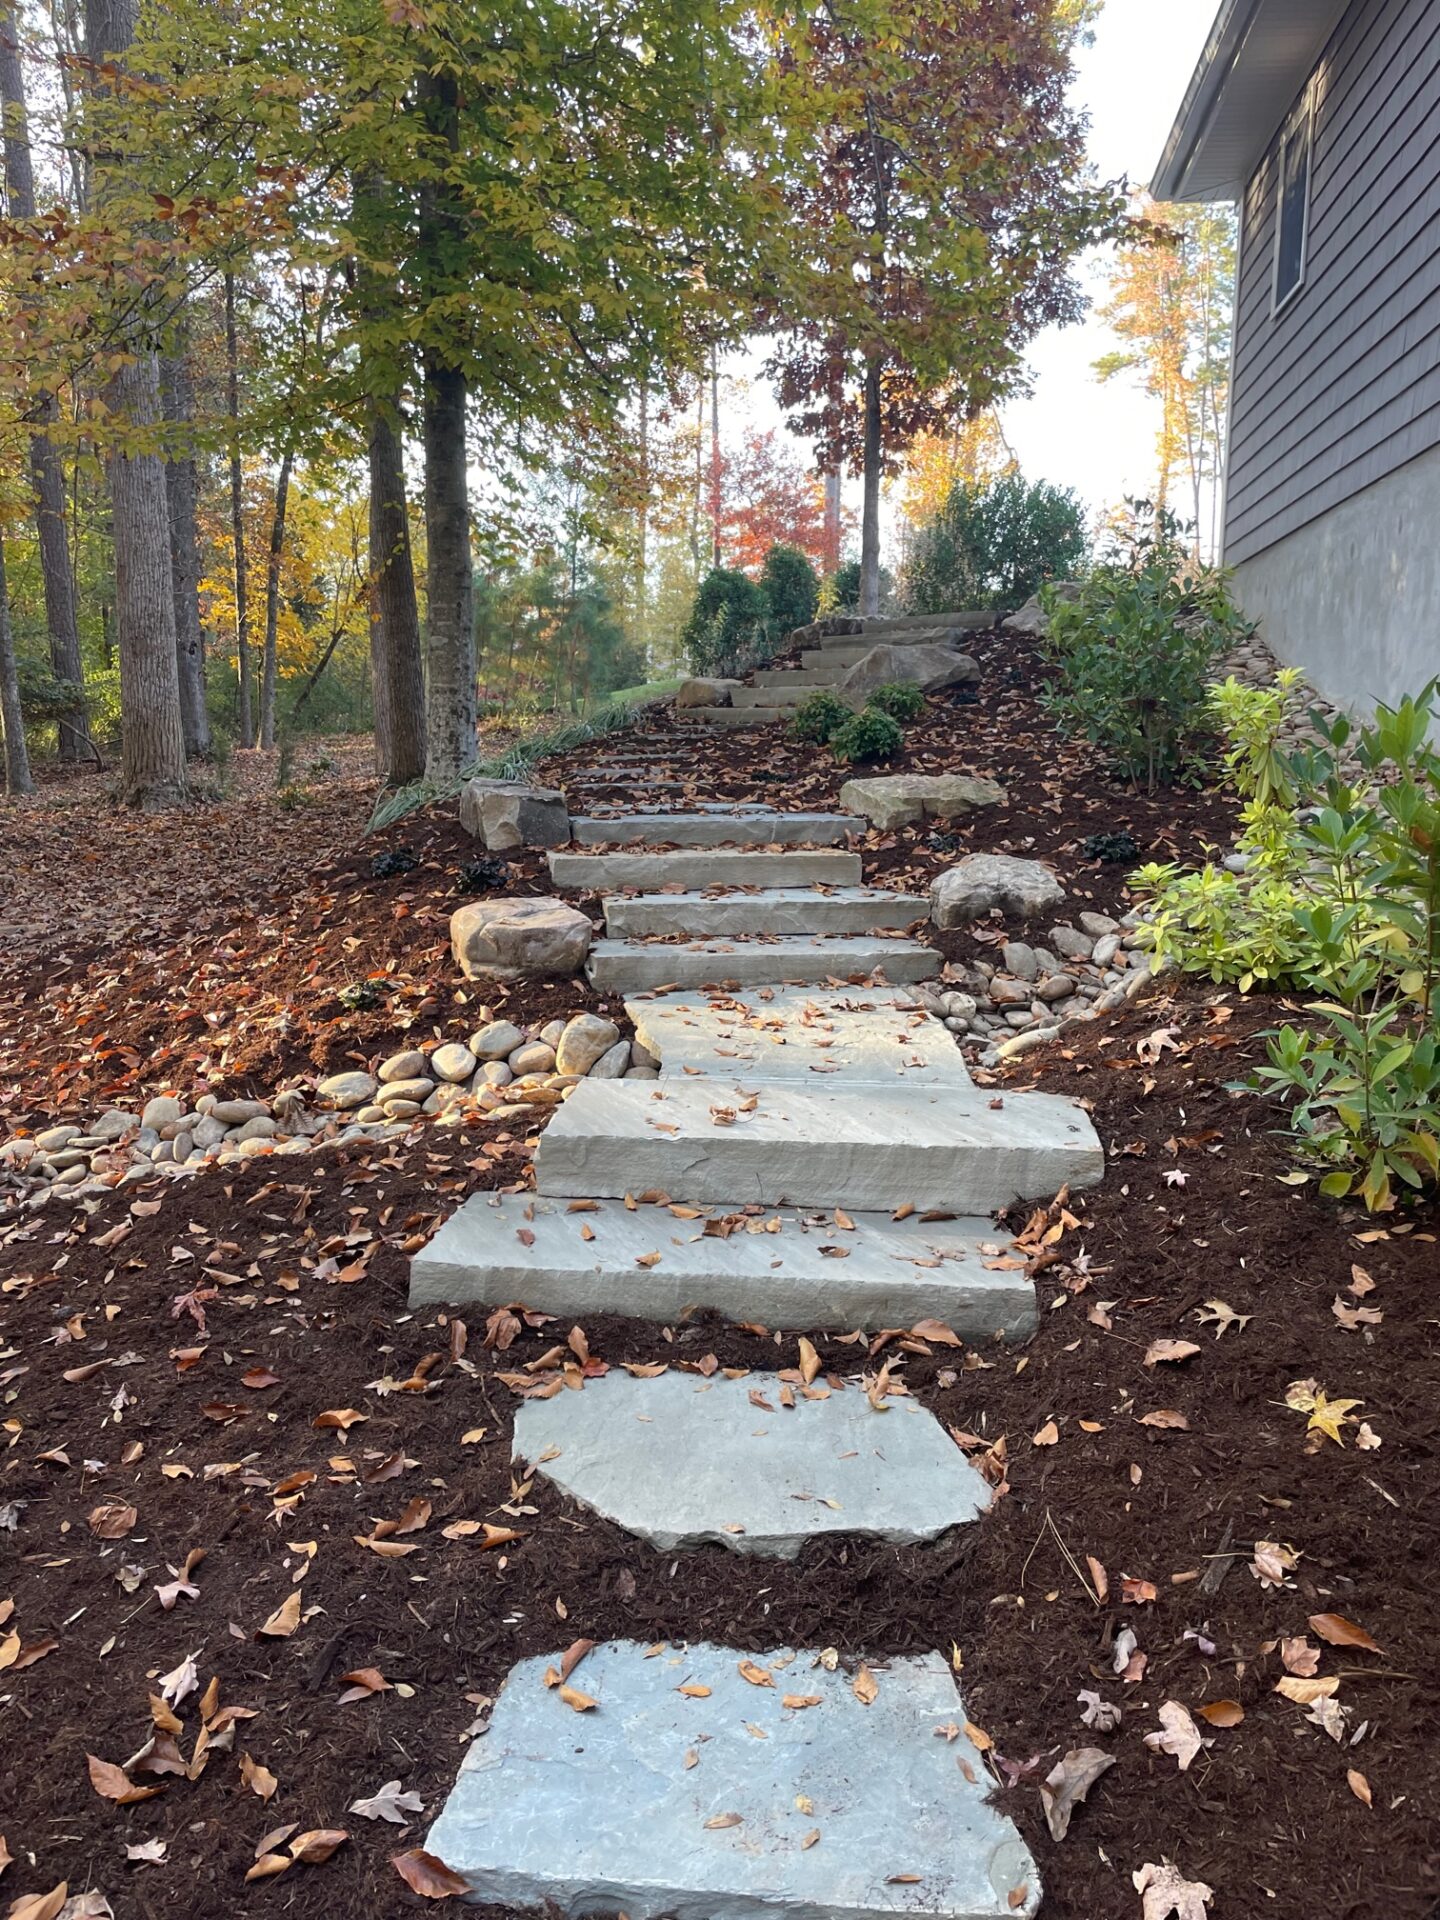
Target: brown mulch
<point>299,1277</point>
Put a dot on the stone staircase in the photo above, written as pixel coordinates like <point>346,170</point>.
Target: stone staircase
<point>814,1154</point>
<point>827,650</point>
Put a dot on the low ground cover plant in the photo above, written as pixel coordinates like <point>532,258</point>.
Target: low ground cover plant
<point>901,699</point>
<point>868,735</point>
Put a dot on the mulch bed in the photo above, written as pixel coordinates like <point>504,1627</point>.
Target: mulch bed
<point>297,1270</point>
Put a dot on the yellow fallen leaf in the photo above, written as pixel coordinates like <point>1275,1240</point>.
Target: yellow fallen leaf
<point>722,1820</point>
<point>581,1702</point>
<point>757,1676</point>
<point>865,1687</point>
<point>1360,1787</point>
<point>284,1620</point>
<point>798,1701</point>
<point>1306,1692</point>
<point>1047,1436</point>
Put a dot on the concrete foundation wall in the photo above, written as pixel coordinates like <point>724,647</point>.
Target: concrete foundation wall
<point>1353,599</point>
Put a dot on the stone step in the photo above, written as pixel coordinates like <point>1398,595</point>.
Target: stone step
<point>628,966</point>
<point>737,716</point>
<point>771,696</point>
<point>778,910</point>
<point>764,1474</point>
<point>836,655</point>
<point>865,1034</point>
<point>688,1791</point>
<point>937,636</point>
<point>689,872</point>
<point>813,678</point>
<point>887,624</point>
<point>716,827</point>
<point>772,1268</point>
<point>871,1149</point>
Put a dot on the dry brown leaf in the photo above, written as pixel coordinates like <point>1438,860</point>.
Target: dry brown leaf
<point>1336,1631</point>
<point>1299,1656</point>
<point>692,1691</point>
<point>1067,1784</point>
<point>342,1418</point>
<point>1360,1786</point>
<point>1160,1352</point>
<point>1223,1713</point>
<point>1305,1692</point>
<point>1048,1435</point>
<point>428,1876</point>
<point>284,1620</point>
<point>39,1906</point>
<point>313,1849</point>
<point>113,1783</point>
<point>1099,1576</point>
<point>259,1779</point>
<point>112,1520</point>
<point>1167,1419</point>
<point>268,1865</point>
<point>580,1702</point>
<point>720,1821</point>
<point>1178,1734</point>
<point>1166,1896</point>
<point>757,1676</point>
<point>865,1687</point>
<point>809,1361</point>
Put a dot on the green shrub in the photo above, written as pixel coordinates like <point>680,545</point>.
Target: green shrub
<point>1134,651</point>
<point>727,628</point>
<point>791,588</point>
<point>994,545</point>
<point>901,699</point>
<point>820,718</point>
<point>870,735</point>
<point>846,584</point>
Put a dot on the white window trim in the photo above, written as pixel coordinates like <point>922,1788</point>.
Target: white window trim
<point>1305,112</point>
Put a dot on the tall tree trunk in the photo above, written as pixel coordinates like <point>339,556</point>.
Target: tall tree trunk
<point>831,560</point>
<point>181,488</point>
<point>237,516</point>
<point>699,480</point>
<point>641,624</point>
<point>870,513</point>
<point>47,473</point>
<point>716,555</point>
<point>450,712</point>
<point>397,666</point>
<point>17,758</point>
<point>272,599</point>
<point>152,766</point>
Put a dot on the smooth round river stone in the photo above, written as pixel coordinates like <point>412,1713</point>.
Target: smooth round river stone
<point>452,1062</point>
<point>409,1065</point>
<point>497,1041</point>
<point>586,1039</point>
<point>346,1090</point>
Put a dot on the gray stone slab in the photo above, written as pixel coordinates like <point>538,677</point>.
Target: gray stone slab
<point>740,827</point>
<point>964,1149</point>
<point>773,1268</point>
<point>835,654</point>
<point>776,910</point>
<point>624,966</point>
<point>758,1479</point>
<point>811,677</point>
<point>855,1035</point>
<point>607,1812</point>
<point>731,717</point>
<point>650,872</point>
<point>774,695</point>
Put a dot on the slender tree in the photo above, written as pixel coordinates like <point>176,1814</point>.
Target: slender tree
<point>272,597</point>
<point>12,721</point>
<point>237,516</point>
<point>182,490</point>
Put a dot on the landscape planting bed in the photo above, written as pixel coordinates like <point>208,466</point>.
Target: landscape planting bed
<point>211,1323</point>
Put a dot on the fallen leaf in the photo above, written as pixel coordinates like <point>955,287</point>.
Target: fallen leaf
<point>428,1876</point>
<point>388,1803</point>
<point>1303,1691</point>
<point>1179,1734</point>
<point>284,1620</point>
<point>720,1821</point>
<point>580,1702</point>
<point>1336,1631</point>
<point>1138,1593</point>
<point>1360,1787</point>
<point>112,1520</point>
<point>865,1687</point>
<point>1100,1714</point>
<point>147,1853</point>
<point>1047,1436</point>
<point>1299,1656</point>
<point>757,1676</point>
<point>315,1848</point>
<point>361,1684</point>
<point>113,1783</point>
<point>1067,1784</point>
<point>259,1779</point>
<point>1223,1713</point>
<point>342,1417</point>
<point>39,1906</point>
<point>1166,1418</point>
<point>1162,1351</point>
<point>1165,1896</point>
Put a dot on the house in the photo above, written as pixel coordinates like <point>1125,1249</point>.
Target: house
<point>1321,119</point>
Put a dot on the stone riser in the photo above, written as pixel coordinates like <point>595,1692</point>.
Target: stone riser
<point>747,699</point>
<point>870,1149</point>
<point>617,966</point>
<point>775,910</point>
<point>719,829</point>
<point>648,872</point>
<point>777,1279</point>
<point>738,716</point>
<point>814,679</point>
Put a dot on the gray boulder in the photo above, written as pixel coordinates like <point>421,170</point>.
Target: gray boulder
<point>701,692</point>
<point>519,939</point>
<point>981,882</point>
<point>506,814</point>
<point>928,667</point>
<point>1032,619</point>
<point>584,1040</point>
<point>905,799</point>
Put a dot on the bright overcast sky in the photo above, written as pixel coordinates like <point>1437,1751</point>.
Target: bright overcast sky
<point>1100,440</point>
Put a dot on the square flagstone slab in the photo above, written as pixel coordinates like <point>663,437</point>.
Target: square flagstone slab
<point>683,1461</point>
<point>723,1803</point>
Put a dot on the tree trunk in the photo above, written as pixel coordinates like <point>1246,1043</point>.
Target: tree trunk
<point>17,758</point>
<point>237,517</point>
<point>715,457</point>
<point>47,471</point>
<point>450,714</point>
<point>397,669</point>
<point>870,515</point>
<point>181,488</point>
<point>152,766</point>
<point>272,600</point>
<point>641,624</point>
<point>831,559</point>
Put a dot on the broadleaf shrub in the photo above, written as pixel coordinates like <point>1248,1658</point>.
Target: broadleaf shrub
<point>791,588</point>
<point>994,546</point>
<point>901,699</point>
<point>819,718</point>
<point>869,735</point>
<point>727,631</point>
<point>1133,653</point>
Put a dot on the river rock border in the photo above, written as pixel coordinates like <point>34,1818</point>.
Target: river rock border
<point>501,1070</point>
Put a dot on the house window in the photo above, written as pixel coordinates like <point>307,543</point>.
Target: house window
<point>1293,213</point>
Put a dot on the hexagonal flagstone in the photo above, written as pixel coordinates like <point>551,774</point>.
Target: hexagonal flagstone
<point>722,1802</point>
<point>681,1460</point>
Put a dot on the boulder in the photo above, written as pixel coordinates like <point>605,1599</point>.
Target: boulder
<point>113,1124</point>
<point>163,1111</point>
<point>346,1090</point>
<point>615,1064</point>
<point>409,1065</point>
<point>452,1062</point>
<point>706,693</point>
<point>506,814</point>
<point>537,1057</point>
<point>497,1041</point>
<point>531,938</point>
<point>981,882</point>
<point>928,667</point>
<point>1032,619</point>
<point>905,799</point>
<point>585,1040</point>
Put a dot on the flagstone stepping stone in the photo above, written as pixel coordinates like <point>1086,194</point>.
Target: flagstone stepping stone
<point>682,1461</point>
<point>904,799</point>
<point>600,872</point>
<point>786,1033</point>
<point>779,1267</point>
<point>770,910</point>
<point>688,1791</point>
<point>625,966</point>
<point>737,827</point>
<point>732,717</point>
<point>873,1148</point>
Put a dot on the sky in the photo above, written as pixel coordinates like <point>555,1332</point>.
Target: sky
<point>1071,430</point>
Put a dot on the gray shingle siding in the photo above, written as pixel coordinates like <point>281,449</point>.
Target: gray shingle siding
<point>1343,386</point>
